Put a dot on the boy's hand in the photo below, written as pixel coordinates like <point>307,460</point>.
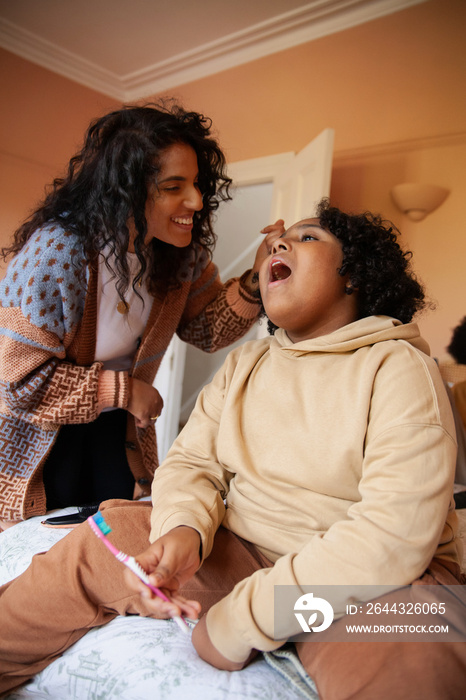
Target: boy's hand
<point>209,653</point>
<point>272,232</point>
<point>170,561</point>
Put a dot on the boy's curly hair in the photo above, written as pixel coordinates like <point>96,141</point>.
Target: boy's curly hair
<point>457,347</point>
<point>377,267</point>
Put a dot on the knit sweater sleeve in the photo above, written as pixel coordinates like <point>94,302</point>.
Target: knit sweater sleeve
<point>216,314</point>
<point>42,302</point>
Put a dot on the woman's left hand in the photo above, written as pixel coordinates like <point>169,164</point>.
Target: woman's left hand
<point>209,653</point>
<point>271,233</point>
<point>145,403</point>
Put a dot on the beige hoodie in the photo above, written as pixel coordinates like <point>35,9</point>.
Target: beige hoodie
<point>335,456</point>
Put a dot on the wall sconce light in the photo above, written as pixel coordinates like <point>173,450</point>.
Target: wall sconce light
<point>416,200</point>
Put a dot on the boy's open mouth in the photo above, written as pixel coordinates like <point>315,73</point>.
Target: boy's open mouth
<point>279,271</point>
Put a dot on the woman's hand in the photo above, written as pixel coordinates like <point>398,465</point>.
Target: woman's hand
<point>170,561</point>
<point>271,233</point>
<point>209,653</point>
<point>145,403</point>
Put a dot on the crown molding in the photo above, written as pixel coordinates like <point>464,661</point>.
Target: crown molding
<point>42,52</point>
<point>316,19</point>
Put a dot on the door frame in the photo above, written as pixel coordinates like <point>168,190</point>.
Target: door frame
<point>255,171</point>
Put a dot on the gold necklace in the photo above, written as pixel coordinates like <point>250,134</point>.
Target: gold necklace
<point>124,306</point>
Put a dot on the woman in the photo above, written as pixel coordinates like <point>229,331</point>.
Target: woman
<point>113,263</point>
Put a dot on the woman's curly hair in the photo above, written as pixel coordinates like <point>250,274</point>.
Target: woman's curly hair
<point>108,181</point>
<point>457,347</point>
<point>377,268</point>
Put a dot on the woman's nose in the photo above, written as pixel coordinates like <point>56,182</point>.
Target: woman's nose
<point>194,200</point>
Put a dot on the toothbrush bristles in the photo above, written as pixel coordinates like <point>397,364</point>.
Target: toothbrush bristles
<point>100,522</point>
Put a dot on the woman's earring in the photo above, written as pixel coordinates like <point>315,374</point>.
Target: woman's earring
<point>349,289</point>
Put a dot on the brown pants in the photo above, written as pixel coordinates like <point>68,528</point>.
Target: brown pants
<point>393,670</point>
<point>78,585</point>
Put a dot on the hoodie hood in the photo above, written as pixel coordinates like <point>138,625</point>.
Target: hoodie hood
<point>366,331</point>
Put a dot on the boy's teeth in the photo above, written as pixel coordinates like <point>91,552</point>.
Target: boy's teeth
<point>280,271</point>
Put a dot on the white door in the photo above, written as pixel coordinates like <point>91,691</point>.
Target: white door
<point>303,182</point>
<point>299,182</point>
<point>169,383</point>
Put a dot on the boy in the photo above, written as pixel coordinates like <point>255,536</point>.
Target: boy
<point>323,455</point>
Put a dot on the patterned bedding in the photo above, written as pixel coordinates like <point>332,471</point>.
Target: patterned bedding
<point>136,658</point>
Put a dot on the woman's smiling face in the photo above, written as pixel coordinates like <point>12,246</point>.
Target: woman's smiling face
<point>301,288</point>
<point>174,199</point>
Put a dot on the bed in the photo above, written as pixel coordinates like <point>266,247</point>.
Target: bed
<point>135,658</point>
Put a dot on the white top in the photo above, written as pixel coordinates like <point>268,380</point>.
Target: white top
<point>118,335</point>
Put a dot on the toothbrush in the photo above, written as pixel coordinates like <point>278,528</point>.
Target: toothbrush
<point>101,529</point>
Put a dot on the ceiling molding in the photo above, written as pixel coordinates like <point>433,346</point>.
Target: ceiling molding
<point>316,19</point>
<point>42,52</point>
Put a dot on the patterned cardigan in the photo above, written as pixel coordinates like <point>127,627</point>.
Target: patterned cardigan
<point>48,375</point>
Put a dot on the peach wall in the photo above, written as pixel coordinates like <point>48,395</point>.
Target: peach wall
<point>362,180</point>
<point>393,90</point>
<point>397,78</point>
<point>42,122</point>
